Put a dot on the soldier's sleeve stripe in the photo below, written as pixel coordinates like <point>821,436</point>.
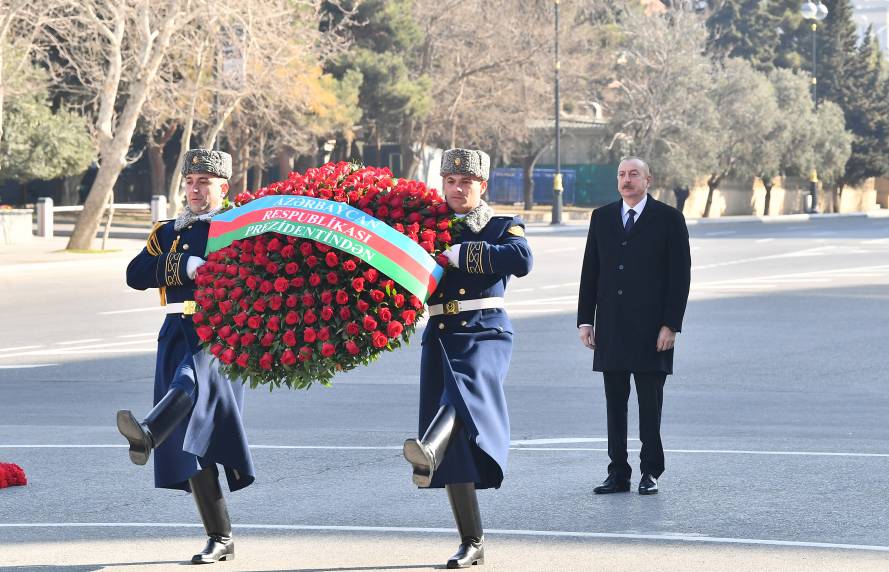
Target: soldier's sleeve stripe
<point>154,246</point>
<point>516,230</point>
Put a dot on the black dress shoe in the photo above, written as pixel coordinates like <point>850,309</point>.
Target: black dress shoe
<point>470,553</point>
<point>613,484</point>
<point>218,548</point>
<point>648,485</point>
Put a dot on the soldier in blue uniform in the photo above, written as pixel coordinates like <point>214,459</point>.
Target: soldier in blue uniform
<point>467,346</point>
<point>196,421</point>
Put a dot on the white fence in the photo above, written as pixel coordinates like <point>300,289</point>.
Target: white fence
<point>45,211</point>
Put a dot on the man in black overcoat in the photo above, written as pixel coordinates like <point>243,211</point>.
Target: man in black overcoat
<point>633,293</point>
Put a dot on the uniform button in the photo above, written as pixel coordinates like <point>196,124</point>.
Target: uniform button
<point>620,292</point>
<point>184,247</point>
<point>624,243</point>
<point>178,236</point>
<point>619,266</point>
<point>182,316</point>
<point>500,329</point>
<point>462,291</point>
<point>441,294</point>
<point>463,323</point>
<point>441,326</point>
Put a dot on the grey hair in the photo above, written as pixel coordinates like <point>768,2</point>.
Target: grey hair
<point>640,159</point>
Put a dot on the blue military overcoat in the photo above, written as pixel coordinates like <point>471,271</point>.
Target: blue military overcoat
<point>466,356</point>
<point>214,431</point>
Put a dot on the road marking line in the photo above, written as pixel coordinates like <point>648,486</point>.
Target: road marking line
<point>513,291</point>
<point>514,448</point>
<point>86,341</point>
<point>551,300</point>
<point>806,252</point>
<point>761,240</point>
<point>721,233</point>
<point>28,365</point>
<point>138,335</point>
<point>130,311</point>
<point>876,241</point>
<point>19,348</point>
<point>675,537</point>
<point>562,440</point>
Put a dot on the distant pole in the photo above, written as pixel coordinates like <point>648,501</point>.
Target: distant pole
<point>557,178</point>
<point>815,13</point>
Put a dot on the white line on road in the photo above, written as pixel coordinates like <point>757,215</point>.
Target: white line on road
<point>807,252</point>
<point>761,240</point>
<point>512,447</point>
<point>19,348</point>
<point>86,341</point>
<point>28,365</point>
<point>101,348</point>
<point>130,311</point>
<point>721,233</point>
<point>138,335</point>
<point>876,241</point>
<point>691,537</point>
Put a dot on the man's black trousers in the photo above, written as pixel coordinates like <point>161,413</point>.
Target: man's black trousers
<point>650,393</point>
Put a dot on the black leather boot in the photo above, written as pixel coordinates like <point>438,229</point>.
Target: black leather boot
<point>427,453</point>
<point>464,503</point>
<point>157,426</point>
<point>214,514</point>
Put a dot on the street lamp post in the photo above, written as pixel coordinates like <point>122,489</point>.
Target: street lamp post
<point>815,13</point>
<point>557,177</point>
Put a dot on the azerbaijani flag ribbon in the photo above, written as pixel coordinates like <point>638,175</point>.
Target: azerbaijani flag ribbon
<point>335,224</point>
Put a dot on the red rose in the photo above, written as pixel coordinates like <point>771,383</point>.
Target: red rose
<point>429,222</point>
<point>309,317</point>
<point>309,335</point>
<point>342,297</point>
<point>328,350</point>
<point>326,297</point>
<point>379,339</point>
<point>243,198</point>
<point>345,313</point>
<point>228,356</point>
<point>394,329</point>
<point>266,287</point>
<point>352,329</point>
<point>254,322</point>
<point>259,305</point>
<point>443,224</point>
<point>377,295</point>
<point>236,293</point>
<point>308,300</point>
<point>369,324</point>
<point>292,301</point>
<point>385,314</point>
<point>305,353</point>
<point>243,359</point>
<point>274,323</point>
<point>298,282</point>
<point>444,236</point>
<point>358,284</point>
<point>216,349</point>
<point>326,313</point>
<point>248,339</point>
<point>397,214</point>
<point>409,316</point>
<point>275,302</point>
<point>442,209</point>
<point>274,245</point>
<point>225,331</point>
<point>414,217</point>
<point>291,318</point>
<point>267,339</point>
<point>382,212</point>
<point>349,265</point>
<point>415,302</point>
<point>428,246</point>
<point>291,268</point>
<point>288,251</point>
<point>205,333</point>
<point>252,282</point>
<point>215,319</point>
<point>362,306</point>
<point>372,274</point>
<point>352,347</point>
<point>305,248</point>
<point>288,358</point>
<point>312,261</point>
<point>271,268</point>
<point>332,278</point>
<point>290,338</point>
<point>331,259</point>
<point>398,300</point>
<point>314,279</point>
<point>197,317</point>
<point>427,236</point>
<point>324,333</point>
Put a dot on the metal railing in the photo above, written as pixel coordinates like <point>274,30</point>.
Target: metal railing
<point>45,211</point>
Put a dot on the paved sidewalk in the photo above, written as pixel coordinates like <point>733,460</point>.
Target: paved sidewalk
<point>165,549</point>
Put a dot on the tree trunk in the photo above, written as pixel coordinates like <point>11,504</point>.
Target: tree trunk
<point>768,185</point>
<point>528,181</point>
<point>285,161</point>
<point>712,185</point>
<point>259,163</point>
<point>70,186</point>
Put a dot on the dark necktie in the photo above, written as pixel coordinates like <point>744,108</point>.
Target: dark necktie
<point>630,215</point>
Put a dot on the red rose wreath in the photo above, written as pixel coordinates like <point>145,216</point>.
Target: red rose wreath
<point>282,310</point>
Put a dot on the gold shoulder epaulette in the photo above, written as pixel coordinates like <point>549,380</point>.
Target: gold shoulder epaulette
<point>154,246</point>
<point>516,230</point>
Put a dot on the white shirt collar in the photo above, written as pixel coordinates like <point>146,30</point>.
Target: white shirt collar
<point>637,209</point>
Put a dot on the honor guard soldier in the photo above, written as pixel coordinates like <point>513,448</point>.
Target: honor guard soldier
<point>467,346</point>
<point>196,421</point>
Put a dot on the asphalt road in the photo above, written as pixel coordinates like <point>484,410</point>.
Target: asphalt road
<point>774,426</point>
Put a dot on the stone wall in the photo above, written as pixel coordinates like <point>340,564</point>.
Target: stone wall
<point>15,226</point>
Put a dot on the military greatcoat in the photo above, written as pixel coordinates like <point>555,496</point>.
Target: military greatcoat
<point>214,431</point>
<point>466,356</point>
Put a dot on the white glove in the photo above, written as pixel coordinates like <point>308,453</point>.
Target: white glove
<point>194,262</point>
<point>453,255</point>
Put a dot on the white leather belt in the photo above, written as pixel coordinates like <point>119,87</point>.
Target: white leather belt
<point>453,307</point>
<point>188,308</point>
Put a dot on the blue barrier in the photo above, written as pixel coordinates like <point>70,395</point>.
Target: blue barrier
<point>505,185</point>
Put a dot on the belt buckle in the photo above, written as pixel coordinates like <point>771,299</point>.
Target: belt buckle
<point>189,307</point>
<point>451,308</point>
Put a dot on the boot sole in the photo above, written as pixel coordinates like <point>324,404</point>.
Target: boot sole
<point>129,427</point>
<point>454,565</point>
<point>416,456</point>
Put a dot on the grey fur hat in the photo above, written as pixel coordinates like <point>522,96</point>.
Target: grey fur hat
<point>470,162</point>
<point>217,163</point>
